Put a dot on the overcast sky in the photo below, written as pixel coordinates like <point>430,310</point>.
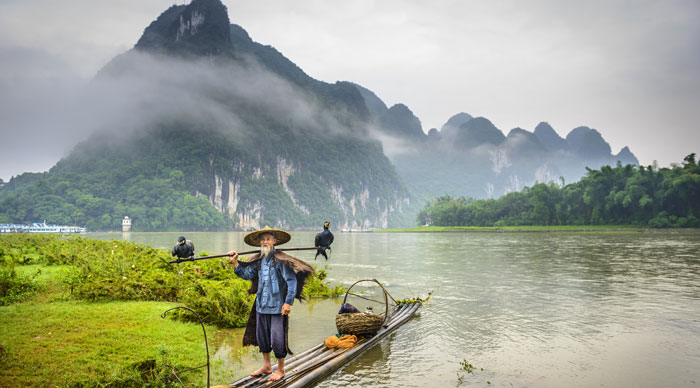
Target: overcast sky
<point>630,69</point>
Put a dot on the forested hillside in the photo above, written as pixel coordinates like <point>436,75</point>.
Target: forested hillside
<point>159,176</point>
<point>623,195</point>
<point>204,129</point>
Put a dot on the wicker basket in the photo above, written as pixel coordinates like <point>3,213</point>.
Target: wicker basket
<point>362,323</point>
<point>358,323</point>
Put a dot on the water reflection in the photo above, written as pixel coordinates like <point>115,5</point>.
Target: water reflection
<point>372,369</point>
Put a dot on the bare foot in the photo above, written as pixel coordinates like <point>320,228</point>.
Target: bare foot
<point>265,370</point>
<point>278,375</point>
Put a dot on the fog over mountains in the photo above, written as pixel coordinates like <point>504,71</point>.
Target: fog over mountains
<point>469,156</point>
<point>199,108</point>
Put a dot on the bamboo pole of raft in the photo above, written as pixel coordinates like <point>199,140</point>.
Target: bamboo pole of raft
<point>318,358</point>
<point>308,361</point>
<point>313,376</point>
<point>305,367</point>
<point>313,354</point>
<point>328,355</point>
<point>324,370</point>
<point>290,361</point>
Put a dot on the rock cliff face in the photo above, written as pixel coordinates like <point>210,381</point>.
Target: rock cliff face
<point>199,28</point>
<point>357,210</point>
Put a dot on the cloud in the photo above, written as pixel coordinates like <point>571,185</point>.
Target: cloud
<point>37,88</point>
<point>136,91</point>
<point>631,69</point>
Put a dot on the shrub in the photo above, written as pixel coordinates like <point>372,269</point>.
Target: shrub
<point>316,287</point>
<point>121,270</point>
<point>13,287</point>
<point>222,303</point>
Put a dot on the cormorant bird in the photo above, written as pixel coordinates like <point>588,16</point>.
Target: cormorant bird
<point>184,248</point>
<point>323,241</point>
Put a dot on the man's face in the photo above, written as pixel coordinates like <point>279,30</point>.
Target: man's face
<point>267,240</point>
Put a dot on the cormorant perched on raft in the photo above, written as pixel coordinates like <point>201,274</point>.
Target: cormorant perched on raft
<point>323,241</point>
<point>184,248</point>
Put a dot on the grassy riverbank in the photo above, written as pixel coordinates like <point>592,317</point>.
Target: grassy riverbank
<point>79,344</point>
<point>78,312</point>
<point>524,228</point>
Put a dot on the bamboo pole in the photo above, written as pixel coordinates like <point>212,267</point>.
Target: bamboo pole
<point>330,356</point>
<point>312,365</point>
<point>303,362</point>
<point>181,260</point>
<point>300,357</point>
<point>324,370</point>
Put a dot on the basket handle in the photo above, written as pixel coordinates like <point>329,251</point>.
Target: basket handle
<point>386,295</point>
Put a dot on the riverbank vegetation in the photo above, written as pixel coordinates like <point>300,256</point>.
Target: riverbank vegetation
<point>647,197</point>
<point>79,312</point>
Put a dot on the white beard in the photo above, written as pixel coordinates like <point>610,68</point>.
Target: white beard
<point>265,250</point>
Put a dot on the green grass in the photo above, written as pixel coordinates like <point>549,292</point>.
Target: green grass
<point>49,278</point>
<point>524,228</point>
<point>69,342</point>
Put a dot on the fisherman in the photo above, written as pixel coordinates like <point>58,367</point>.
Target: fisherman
<point>277,278</point>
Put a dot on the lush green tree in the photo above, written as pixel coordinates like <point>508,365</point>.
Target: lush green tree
<point>623,195</point>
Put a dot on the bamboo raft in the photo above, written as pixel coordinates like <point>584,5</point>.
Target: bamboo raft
<point>311,366</point>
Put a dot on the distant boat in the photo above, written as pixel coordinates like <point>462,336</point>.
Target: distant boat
<point>41,227</point>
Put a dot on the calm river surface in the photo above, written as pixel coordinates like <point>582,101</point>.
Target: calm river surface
<point>531,309</point>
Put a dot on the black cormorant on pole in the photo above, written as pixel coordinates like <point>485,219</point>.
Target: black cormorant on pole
<point>323,241</point>
<point>184,248</point>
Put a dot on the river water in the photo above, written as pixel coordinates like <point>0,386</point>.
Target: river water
<point>525,309</point>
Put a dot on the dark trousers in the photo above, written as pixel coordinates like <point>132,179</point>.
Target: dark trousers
<point>269,332</point>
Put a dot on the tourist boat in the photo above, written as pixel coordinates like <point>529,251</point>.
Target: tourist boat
<point>40,227</point>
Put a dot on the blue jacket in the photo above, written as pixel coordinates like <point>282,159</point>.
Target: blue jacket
<point>272,277</point>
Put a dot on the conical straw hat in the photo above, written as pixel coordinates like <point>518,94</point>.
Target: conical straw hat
<point>253,238</point>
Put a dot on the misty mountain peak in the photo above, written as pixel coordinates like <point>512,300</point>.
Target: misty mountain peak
<point>434,134</point>
<point>525,143</point>
<point>588,142</point>
<point>239,34</point>
<point>476,132</point>
<point>456,121</point>
<point>550,138</point>
<point>199,28</point>
<point>518,131</point>
<point>399,120</point>
<point>450,130</point>
<point>625,156</point>
<point>375,105</point>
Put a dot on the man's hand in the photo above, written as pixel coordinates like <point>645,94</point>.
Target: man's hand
<point>233,258</point>
<point>286,309</point>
